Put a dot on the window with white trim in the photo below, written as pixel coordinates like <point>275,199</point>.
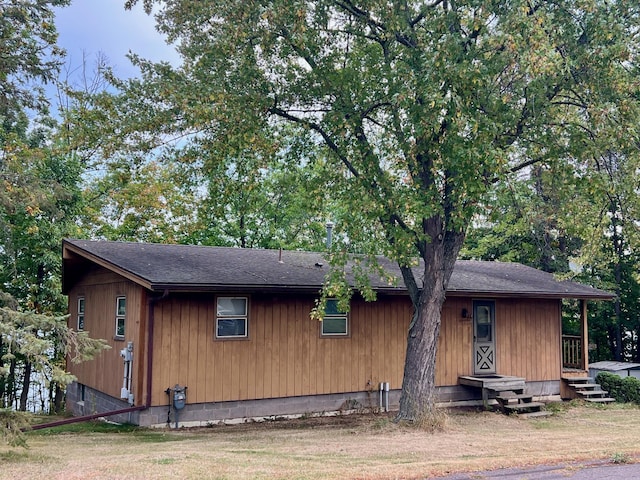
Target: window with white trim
<point>335,323</point>
<point>231,317</point>
<point>80,316</point>
<point>121,316</point>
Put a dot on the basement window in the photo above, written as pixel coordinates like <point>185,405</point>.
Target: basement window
<point>121,315</point>
<point>334,323</point>
<point>80,316</point>
<point>231,317</point>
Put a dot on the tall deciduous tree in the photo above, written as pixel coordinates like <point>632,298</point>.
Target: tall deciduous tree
<point>424,106</point>
<point>39,203</point>
<point>611,254</point>
<point>531,219</point>
<point>29,54</point>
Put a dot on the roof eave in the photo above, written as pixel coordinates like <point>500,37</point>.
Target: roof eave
<point>315,289</point>
<point>215,287</point>
<point>69,247</point>
<point>528,294</point>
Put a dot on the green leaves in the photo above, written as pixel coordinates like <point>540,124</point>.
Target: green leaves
<point>424,110</point>
<point>33,337</point>
<point>29,55</point>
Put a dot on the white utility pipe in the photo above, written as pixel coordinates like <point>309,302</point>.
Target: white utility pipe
<point>386,394</point>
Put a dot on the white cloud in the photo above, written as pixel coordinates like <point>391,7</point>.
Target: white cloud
<point>104,26</point>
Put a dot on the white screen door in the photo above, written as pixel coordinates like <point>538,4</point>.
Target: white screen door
<point>484,342</point>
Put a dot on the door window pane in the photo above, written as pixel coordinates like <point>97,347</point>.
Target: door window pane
<point>484,323</point>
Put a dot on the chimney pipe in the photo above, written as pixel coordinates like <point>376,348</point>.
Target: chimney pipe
<point>329,234</point>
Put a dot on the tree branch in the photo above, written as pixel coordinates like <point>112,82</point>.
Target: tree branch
<point>348,6</point>
<point>318,129</point>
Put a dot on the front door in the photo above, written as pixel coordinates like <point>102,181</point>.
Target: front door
<point>484,343</point>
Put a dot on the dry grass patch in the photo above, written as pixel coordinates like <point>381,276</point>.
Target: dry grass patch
<point>356,447</point>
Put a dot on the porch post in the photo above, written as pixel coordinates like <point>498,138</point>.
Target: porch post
<point>584,334</point>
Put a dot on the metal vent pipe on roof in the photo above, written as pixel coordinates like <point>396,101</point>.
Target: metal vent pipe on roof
<point>329,234</point>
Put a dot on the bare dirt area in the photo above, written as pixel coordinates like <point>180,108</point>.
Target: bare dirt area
<point>349,447</point>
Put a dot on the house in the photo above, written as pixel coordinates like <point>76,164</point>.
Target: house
<point>233,326</point>
<point>622,369</point>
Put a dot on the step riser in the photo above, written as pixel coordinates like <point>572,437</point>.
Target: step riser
<point>516,401</point>
<point>586,389</point>
<point>579,379</point>
<point>524,406</point>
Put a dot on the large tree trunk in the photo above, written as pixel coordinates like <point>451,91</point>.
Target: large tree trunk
<point>418,386</point>
<point>26,383</point>
<point>11,384</point>
<point>3,380</point>
<point>611,339</point>
<point>58,397</point>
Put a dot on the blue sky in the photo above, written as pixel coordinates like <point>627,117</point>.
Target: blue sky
<point>104,26</point>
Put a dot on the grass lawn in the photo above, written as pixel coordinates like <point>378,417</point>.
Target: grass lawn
<point>351,447</point>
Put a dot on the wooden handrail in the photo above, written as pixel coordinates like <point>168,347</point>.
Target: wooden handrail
<point>572,351</point>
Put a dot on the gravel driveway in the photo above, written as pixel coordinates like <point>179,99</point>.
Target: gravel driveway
<point>573,471</point>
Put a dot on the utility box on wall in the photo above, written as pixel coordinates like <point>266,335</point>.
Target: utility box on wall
<point>179,397</point>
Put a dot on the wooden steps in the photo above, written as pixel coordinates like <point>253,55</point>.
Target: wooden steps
<point>587,389</point>
<point>601,400</point>
<point>516,401</point>
<point>509,393</point>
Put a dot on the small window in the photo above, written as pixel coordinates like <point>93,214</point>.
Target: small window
<point>80,313</point>
<point>334,322</point>
<point>121,315</point>
<point>231,317</point>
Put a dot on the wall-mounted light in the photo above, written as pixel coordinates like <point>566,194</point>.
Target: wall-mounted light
<point>465,313</point>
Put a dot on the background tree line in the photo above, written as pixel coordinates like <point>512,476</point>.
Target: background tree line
<point>40,203</point>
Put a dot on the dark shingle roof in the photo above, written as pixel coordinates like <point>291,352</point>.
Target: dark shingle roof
<point>197,268</point>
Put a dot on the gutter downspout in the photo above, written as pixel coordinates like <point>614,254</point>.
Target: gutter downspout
<point>146,405</point>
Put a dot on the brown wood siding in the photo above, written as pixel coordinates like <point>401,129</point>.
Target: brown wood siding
<point>527,336</point>
<point>455,342</point>
<point>106,371</point>
<point>527,340</point>
<point>284,354</point>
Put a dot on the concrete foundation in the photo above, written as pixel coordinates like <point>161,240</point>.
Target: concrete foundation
<point>82,400</point>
